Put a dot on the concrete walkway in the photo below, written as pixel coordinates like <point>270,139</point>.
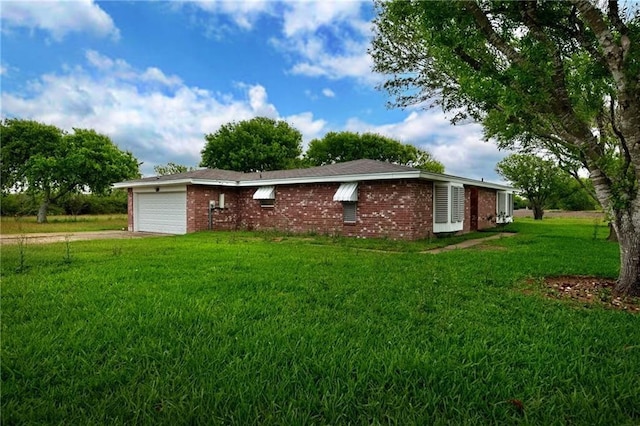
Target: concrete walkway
<point>470,243</point>
<point>55,237</point>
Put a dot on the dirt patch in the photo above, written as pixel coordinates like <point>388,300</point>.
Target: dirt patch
<point>589,291</point>
<point>595,215</point>
<point>56,237</point>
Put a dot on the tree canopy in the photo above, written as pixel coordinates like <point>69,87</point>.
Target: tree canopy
<point>538,179</point>
<point>259,144</point>
<point>337,147</point>
<point>557,77</point>
<point>44,160</point>
<point>170,169</point>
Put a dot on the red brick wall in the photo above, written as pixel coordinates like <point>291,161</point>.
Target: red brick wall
<point>486,208</point>
<point>297,208</point>
<point>401,209</point>
<point>466,225</point>
<point>198,197</point>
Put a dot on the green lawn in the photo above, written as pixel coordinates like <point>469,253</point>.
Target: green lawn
<point>241,328</point>
<point>28,224</point>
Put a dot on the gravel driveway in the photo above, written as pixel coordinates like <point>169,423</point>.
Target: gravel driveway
<point>54,237</point>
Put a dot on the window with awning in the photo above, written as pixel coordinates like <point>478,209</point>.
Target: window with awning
<point>347,192</point>
<point>265,193</point>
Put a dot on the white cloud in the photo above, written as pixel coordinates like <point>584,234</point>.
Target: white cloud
<point>59,18</point>
<point>460,148</point>
<point>310,128</point>
<point>258,102</point>
<point>328,93</point>
<point>328,39</point>
<point>243,13</point>
<point>156,117</point>
<point>321,38</point>
<point>222,17</point>
<point>305,17</point>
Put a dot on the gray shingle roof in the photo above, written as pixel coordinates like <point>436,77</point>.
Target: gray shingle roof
<point>348,168</point>
<point>365,169</point>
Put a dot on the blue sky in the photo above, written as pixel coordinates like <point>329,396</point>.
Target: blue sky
<point>157,76</point>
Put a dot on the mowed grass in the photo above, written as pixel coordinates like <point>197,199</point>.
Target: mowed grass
<point>29,225</point>
<point>228,328</point>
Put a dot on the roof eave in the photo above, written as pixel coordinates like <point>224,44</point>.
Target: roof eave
<point>437,177</point>
<point>356,177</point>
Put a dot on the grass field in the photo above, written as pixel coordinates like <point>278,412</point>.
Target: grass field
<point>28,225</point>
<point>239,328</point>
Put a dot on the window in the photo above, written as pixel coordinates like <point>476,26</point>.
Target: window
<point>448,207</point>
<point>266,195</point>
<point>267,203</point>
<point>349,211</point>
<point>504,207</point>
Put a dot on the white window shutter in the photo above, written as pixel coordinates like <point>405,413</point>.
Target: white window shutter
<point>502,201</point>
<point>457,204</point>
<point>441,212</point>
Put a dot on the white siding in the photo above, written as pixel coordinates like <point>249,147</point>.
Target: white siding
<point>164,212</point>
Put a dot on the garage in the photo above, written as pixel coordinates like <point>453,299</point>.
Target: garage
<point>164,212</point>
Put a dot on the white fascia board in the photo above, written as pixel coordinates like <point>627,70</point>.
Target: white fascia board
<point>150,183</point>
<point>163,189</point>
<point>214,182</point>
<point>188,181</point>
<point>436,177</point>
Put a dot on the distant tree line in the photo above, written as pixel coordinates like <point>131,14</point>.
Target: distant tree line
<point>24,204</point>
<point>50,165</point>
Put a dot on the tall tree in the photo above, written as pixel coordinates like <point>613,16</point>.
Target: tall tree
<point>337,147</point>
<point>259,144</point>
<point>561,77</point>
<point>538,179</point>
<point>44,160</point>
<point>171,169</point>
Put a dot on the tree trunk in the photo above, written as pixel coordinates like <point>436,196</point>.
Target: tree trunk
<point>612,233</point>
<point>627,226</point>
<point>538,212</point>
<point>42,211</point>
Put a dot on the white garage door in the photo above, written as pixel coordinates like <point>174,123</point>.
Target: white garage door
<point>164,212</point>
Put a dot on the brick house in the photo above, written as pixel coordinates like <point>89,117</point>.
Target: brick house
<point>362,198</point>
